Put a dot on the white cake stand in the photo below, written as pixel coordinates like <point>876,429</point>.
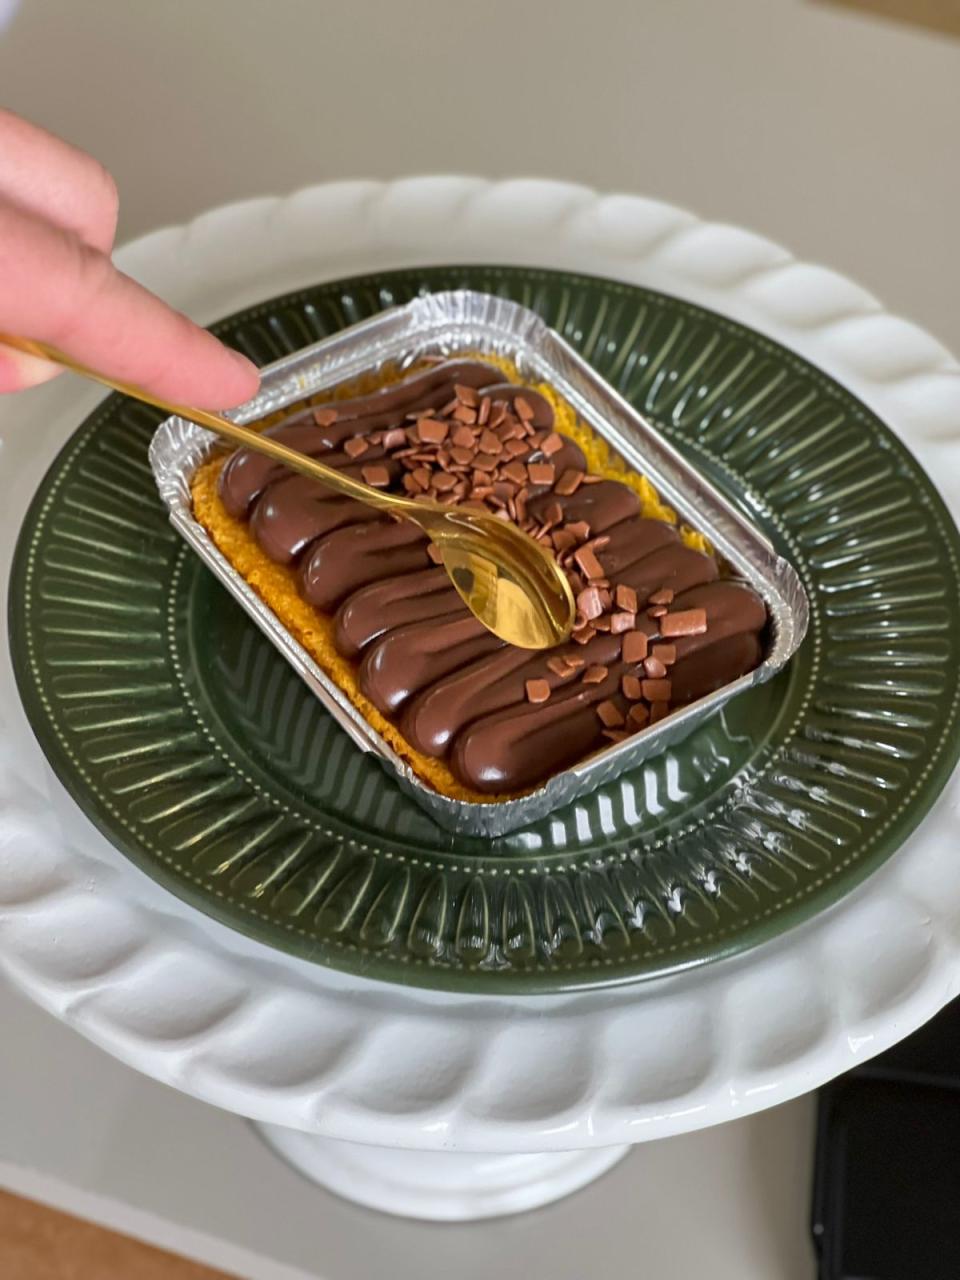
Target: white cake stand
<point>429,1104</point>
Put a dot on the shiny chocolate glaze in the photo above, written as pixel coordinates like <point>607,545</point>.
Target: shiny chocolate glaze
<point>456,690</point>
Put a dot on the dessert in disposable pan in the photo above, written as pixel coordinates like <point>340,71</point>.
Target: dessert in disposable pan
<point>661,620</point>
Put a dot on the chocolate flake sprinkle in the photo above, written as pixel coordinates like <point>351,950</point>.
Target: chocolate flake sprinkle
<point>538,690</point>
<point>589,603</point>
<point>616,735</point>
<point>688,622</point>
<point>626,598</point>
<point>586,558</point>
<point>431,431</point>
<point>634,647</point>
<point>466,395</point>
<point>630,686</point>
<point>610,714</point>
<point>568,483</point>
<point>376,475</point>
<point>541,472</point>
<point>656,690</point>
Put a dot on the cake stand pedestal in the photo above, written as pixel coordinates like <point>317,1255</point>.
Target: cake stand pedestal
<point>426,1103</point>
<point>442,1186</point>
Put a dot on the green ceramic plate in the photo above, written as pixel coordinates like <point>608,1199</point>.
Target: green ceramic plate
<point>199,753</point>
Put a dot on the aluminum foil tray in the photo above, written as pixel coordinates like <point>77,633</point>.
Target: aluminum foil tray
<point>448,323</point>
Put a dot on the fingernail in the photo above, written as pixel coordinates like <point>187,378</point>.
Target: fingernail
<point>19,372</point>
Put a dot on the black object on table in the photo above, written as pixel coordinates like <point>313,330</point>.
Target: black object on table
<point>886,1195</point>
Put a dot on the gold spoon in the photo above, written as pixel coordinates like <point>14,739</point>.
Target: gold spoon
<point>506,579</point>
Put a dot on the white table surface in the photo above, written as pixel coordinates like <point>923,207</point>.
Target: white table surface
<point>828,132</point>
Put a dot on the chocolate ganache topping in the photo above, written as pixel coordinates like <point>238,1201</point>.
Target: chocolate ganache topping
<point>657,626</point>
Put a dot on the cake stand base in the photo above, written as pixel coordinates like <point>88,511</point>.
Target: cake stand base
<point>437,1185</point>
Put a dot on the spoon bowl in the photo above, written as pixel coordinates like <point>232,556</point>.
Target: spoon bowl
<point>499,592</point>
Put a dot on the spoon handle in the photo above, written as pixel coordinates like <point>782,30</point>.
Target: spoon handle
<point>249,439</point>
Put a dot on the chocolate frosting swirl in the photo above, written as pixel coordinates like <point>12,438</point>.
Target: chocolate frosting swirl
<point>504,718</point>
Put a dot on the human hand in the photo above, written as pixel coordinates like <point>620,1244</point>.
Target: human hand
<point>58,218</point>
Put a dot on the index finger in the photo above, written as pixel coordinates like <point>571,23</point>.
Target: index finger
<point>58,290</point>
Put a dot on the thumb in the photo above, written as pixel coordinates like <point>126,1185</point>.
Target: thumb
<point>59,290</point>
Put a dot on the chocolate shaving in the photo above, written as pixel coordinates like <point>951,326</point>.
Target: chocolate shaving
<point>538,690</point>
<point>568,483</point>
<point>688,622</point>
<point>515,471</point>
<point>376,475</point>
<point>542,472</point>
<point>626,598</point>
<point>589,603</point>
<point>634,647</point>
<point>631,688</point>
<point>524,408</point>
<point>610,714</point>
<point>489,443</point>
<point>665,653</point>
<point>590,566</point>
<point>638,714</point>
<point>432,431</point>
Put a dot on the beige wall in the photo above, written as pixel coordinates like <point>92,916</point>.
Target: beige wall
<point>831,132</point>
